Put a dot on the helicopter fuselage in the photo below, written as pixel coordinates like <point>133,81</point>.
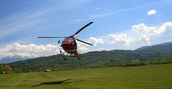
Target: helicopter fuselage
<point>70,46</point>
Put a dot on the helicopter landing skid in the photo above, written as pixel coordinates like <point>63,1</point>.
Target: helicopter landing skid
<point>69,55</point>
<point>63,55</point>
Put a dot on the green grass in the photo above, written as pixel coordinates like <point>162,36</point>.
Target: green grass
<point>140,77</point>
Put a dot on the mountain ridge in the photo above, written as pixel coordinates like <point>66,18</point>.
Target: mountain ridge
<point>145,47</point>
<point>12,59</point>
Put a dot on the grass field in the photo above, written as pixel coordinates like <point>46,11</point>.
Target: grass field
<point>140,77</point>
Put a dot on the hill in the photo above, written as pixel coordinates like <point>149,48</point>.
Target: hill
<point>96,58</point>
<point>160,51</point>
<point>140,77</point>
<point>164,48</point>
<point>157,47</point>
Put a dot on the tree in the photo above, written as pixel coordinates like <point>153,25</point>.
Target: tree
<point>1,69</point>
<point>156,61</point>
<point>8,69</point>
<point>135,62</point>
<point>17,70</point>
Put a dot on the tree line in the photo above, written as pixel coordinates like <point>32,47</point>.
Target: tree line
<point>135,62</point>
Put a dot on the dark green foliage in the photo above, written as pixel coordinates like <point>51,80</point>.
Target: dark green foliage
<point>157,51</point>
<point>1,69</point>
<point>162,61</point>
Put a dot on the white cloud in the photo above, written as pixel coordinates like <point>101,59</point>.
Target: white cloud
<point>85,48</point>
<point>145,40</point>
<point>30,50</point>
<point>144,33</point>
<point>82,47</point>
<point>34,50</point>
<point>95,41</point>
<point>141,33</point>
<point>143,29</point>
<point>120,38</point>
<point>166,28</point>
<point>151,12</point>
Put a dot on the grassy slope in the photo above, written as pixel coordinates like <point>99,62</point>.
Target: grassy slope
<point>140,77</point>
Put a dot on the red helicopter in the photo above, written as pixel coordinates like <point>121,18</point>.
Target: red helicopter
<point>69,44</point>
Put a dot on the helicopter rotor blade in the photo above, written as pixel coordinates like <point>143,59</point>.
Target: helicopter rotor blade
<point>52,37</point>
<point>82,28</point>
<point>84,42</point>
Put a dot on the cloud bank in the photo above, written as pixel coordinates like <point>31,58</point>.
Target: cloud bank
<point>140,33</point>
<point>120,38</point>
<point>95,40</point>
<point>30,50</point>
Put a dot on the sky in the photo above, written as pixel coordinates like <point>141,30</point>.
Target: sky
<point>118,24</point>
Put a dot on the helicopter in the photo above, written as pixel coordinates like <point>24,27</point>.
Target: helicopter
<point>69,44</point>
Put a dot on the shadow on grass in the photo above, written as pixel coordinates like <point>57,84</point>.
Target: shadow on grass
<point>53,83</point>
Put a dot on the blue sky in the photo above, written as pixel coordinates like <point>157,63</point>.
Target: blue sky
<point>117,24</point>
